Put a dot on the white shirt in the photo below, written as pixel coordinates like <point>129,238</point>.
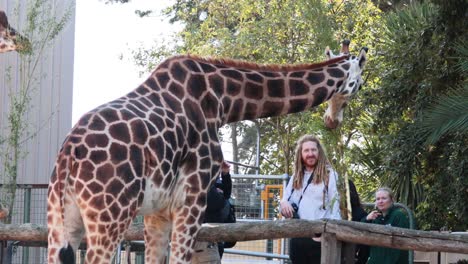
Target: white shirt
<point>311,205</point>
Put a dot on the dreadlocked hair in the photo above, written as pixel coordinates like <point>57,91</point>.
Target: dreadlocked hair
<point>322,168</point>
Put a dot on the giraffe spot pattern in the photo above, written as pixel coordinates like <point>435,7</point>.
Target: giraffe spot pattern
<point>336,73</point>
<point>297,74</point>
<point>109,115</point>
<point>98,156</point>
<point>254,77</point>
<point>97,124</point>
<point>104,173</point>
<point>176,89</point>
<point>276,88</point>
<point>118,153</point>
<point>119,131</point>
<point>250,111</point>
<point>136,159</point>
<point>217,84</point>
<point>209,105</point>
<point>253,91</point>
<point>196,85</point>
<point>81,152</point>
<point>315,78</point>
<point>95,140</point>
<point>135,110</point>
<point>320,94</point>
<point>192,66</point>
<point>272,108</point>
<point>172,102</point>
<point>233,88</point>
<point>298,88</point>
<point>194,114</point>
<point>178,73</point>
<point>207,68</point>
<point>298,105</point>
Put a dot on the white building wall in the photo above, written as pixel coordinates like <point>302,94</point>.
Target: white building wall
<point>50,115</point>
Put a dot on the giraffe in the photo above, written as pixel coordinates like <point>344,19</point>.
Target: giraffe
<point>155,151</point>
<point>10,40</point>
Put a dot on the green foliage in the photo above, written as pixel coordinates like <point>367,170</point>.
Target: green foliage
<point>42,28</point>
<point>417,69</point>
<point>449,114</point>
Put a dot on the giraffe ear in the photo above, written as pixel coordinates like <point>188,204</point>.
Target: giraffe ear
<point>328,53</point>
<point>362,57</point>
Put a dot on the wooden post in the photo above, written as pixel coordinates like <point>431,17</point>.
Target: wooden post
<point>331,249</point>
<point>348,252</point>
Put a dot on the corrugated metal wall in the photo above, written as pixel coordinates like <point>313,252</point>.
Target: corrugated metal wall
<point>50,115</point>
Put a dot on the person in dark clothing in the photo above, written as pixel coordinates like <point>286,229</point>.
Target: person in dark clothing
<point>389,215</point>
<point>357,212</point>
<point>217,199</point>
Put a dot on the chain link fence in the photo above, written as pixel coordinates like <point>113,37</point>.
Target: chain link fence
<point>256,198</point>
<point>30,206</point>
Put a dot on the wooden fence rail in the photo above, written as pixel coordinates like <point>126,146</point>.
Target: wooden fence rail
<point>333,232</point>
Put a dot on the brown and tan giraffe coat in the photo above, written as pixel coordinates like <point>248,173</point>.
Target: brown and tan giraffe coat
<point>155,151</point>
<point>10,40</point>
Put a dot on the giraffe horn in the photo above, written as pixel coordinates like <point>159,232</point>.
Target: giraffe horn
<point>328,53</point>
<point>3,19</point>
<point>345,46</point>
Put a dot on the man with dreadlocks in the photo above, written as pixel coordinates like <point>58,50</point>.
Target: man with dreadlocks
<point>311,194</point>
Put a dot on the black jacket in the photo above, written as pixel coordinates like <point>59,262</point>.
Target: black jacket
<point>217,200</point>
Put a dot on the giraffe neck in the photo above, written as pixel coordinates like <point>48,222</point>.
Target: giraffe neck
<point>232,91</point>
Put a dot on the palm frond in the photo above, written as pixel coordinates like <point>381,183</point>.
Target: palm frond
<point>462,51</point>
<point>448,115</point>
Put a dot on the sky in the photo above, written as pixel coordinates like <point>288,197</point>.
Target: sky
<point>103,34</point>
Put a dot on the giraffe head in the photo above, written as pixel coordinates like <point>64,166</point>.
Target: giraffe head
<point>10,40</point>
<point>334,114</point>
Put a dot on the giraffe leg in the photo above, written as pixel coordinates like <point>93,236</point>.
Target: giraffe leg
<point>157,228</point>
<point>105,227</point>
<point>103,239</point>
<point>189,202</point>
<point>185,227</point>
<point>64,234</point>
<point>73,223</point>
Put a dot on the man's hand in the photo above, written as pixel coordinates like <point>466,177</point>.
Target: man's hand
<point>286,209</point>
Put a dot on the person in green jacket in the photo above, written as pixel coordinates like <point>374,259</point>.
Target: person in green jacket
<point>387,214</point>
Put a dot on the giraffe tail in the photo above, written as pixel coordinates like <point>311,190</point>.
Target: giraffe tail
<point>67,255</point>
<point>60,249</point>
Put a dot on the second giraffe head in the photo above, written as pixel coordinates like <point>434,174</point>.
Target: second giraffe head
<point>350,86</point>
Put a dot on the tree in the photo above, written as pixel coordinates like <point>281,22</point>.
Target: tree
<point>417,67</point>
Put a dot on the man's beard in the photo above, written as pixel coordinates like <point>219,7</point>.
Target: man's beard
<point>310,161</point>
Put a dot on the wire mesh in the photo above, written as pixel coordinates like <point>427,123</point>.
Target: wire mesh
<point>30,206</point>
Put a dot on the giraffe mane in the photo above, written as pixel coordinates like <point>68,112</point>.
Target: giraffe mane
<point>264,67</point>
